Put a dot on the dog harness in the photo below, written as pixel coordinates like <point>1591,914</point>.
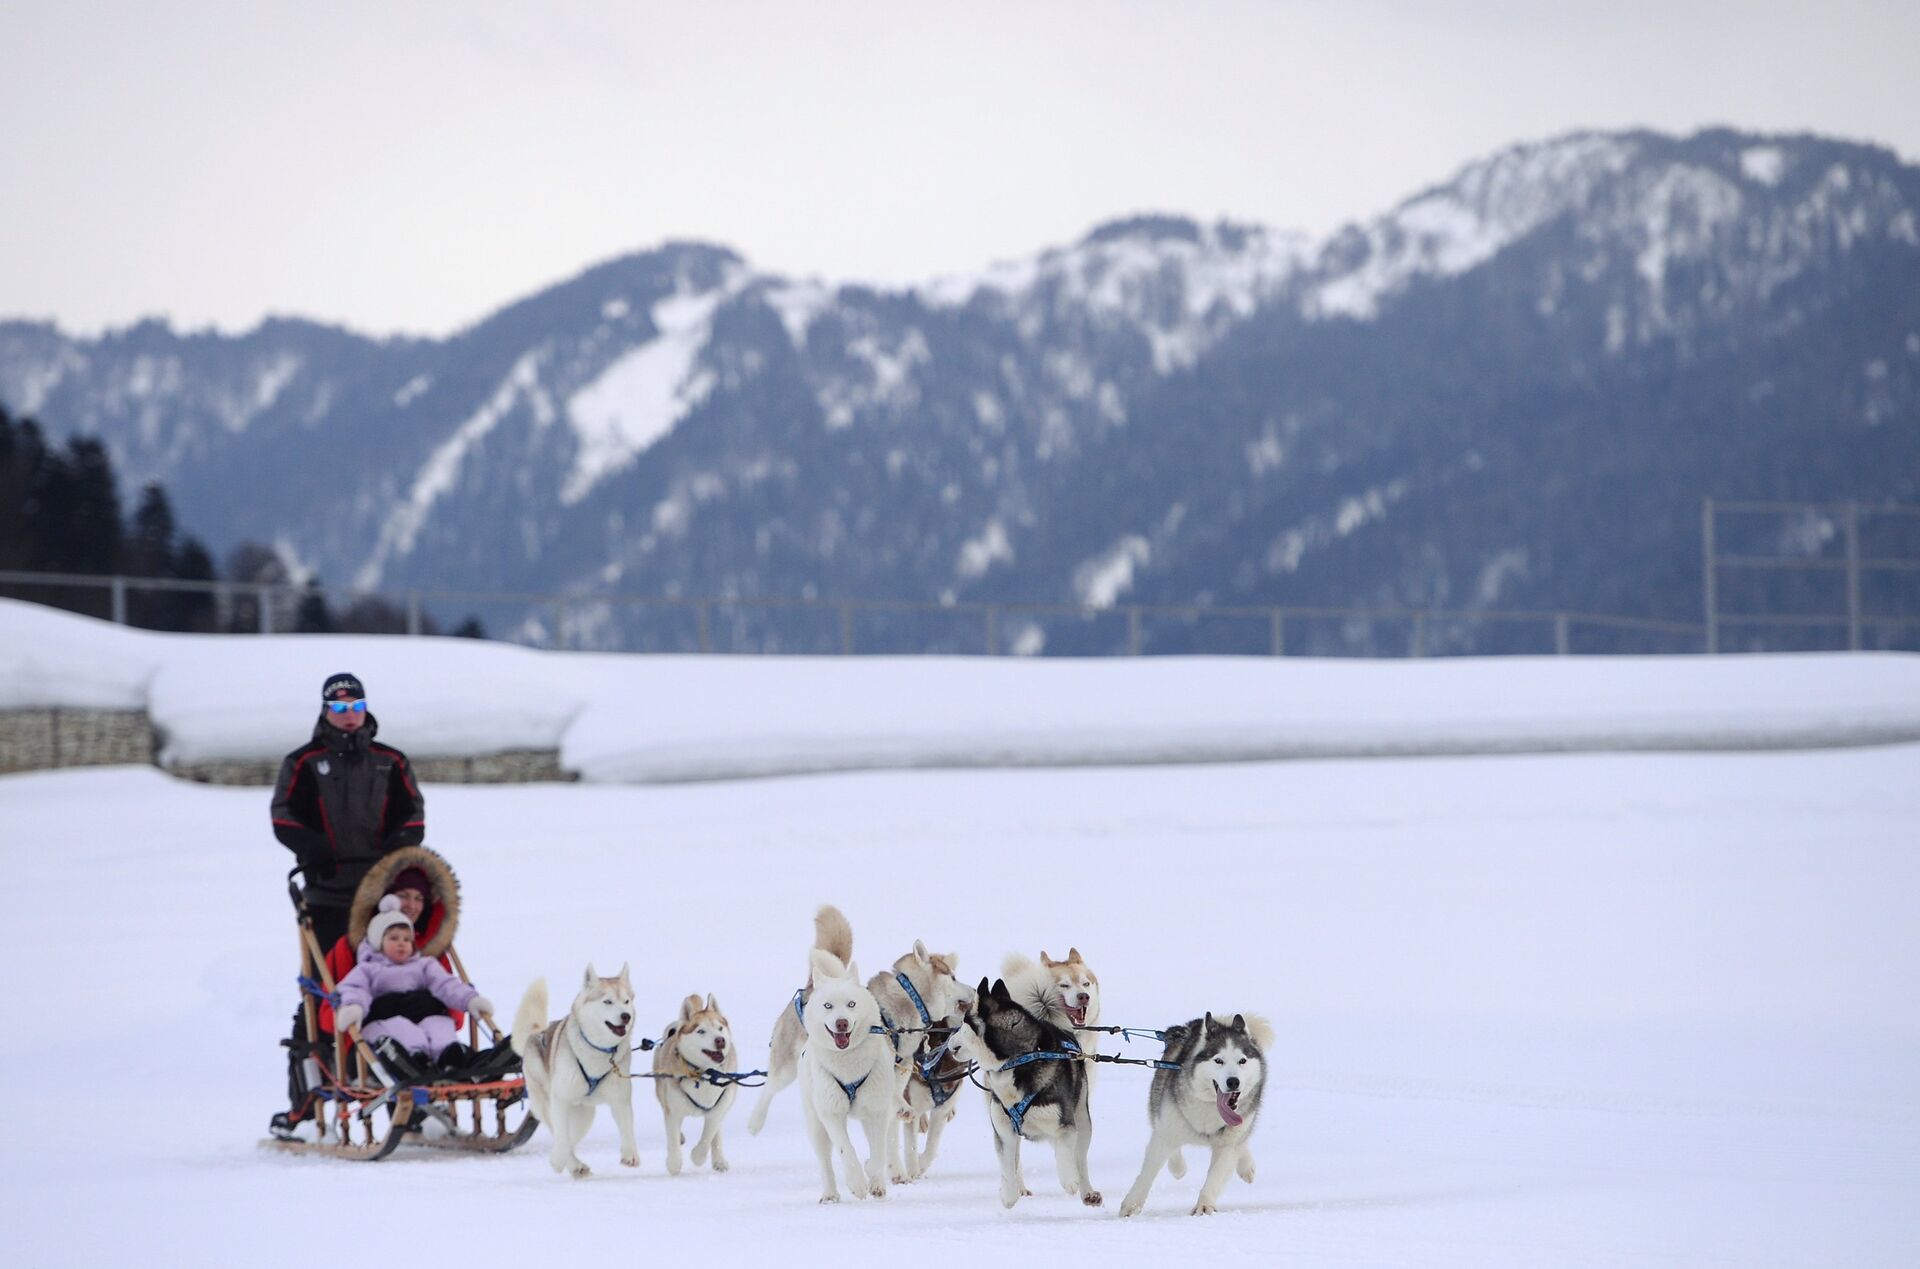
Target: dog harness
<point>705,1110</point>
<point>1017,1113</point>
<point>851,1089</point>
<point>594,1081</point>
<point>938,1090</point>
<point>906,984</point>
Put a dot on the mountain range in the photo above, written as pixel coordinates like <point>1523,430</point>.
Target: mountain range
<point>1511,391</point>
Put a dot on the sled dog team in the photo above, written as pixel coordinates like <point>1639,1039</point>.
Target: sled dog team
<point>892,1051</point>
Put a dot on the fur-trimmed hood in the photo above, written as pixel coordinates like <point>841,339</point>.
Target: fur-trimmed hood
<point>446,893</point>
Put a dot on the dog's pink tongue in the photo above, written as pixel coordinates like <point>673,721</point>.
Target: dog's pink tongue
<point>840,1039</point>
<point>1227,1112</point>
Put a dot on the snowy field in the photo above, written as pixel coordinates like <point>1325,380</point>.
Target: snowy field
<point>1607,1009</point>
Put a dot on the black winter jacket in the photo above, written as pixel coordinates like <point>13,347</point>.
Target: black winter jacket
<point>342,801</point>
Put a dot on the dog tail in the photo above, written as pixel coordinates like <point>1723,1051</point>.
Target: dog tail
<point>1260,1029</point>
<point>831,933</point>
<point>530,1016</point>
<point>1015,966</point>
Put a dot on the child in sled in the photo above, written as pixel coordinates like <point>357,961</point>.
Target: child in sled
<point>402,1000</point>
<point>420,905</point>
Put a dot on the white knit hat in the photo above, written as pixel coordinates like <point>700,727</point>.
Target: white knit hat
<point>385,919</point>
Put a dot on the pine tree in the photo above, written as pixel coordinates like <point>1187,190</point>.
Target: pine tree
<point>313,616</point>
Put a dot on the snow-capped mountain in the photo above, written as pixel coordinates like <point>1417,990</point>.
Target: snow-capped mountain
<point>1510,391</point>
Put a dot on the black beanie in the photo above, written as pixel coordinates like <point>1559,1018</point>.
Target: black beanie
<point>342,685</point>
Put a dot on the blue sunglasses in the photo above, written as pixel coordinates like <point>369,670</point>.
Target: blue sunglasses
<point>346,707</point>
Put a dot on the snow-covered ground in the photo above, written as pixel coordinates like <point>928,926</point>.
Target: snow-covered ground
<point>1612,1009</point>
<point>638,719</point>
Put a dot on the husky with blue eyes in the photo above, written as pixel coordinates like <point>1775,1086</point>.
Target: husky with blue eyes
<point>846,1074</point>
<point>1212,1100</point>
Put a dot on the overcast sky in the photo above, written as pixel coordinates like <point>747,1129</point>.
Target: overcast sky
<point>410,166</point>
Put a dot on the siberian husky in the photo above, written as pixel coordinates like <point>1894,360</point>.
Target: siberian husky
<point>833,935</point>
<point>918,995</point>
<point>1067,994</point>
<point>578,1063</point>
<point>1041,1099</point>
<point>919,991</point>
<point>1212,1100</point>
<point>699,1040</point>
<point>846,1073</point>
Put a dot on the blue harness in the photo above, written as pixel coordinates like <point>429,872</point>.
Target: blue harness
<point>696,1101</point>
<point>594,1081</point>
<point>851,1089</point>
<point>1017,1113</point>
<point>906,985</point>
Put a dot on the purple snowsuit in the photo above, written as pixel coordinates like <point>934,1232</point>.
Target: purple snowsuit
<point>375,975</point>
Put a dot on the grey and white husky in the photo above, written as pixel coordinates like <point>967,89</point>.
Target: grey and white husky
<point>1036,1088</point>
<point>583,1061</point>
<point>1212,1101</point>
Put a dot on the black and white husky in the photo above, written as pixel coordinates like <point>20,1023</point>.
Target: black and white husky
<point>1036,1088</point>
<point>1212,1100</point>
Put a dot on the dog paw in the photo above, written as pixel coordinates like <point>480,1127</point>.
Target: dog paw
<point>1204,1208</point>
<point>1009,1197</point>
<point>629,1160</point>
<point>1245,1170</point>
<point>1092,1198</point>
<point>719,1164</point>
<point>878,1189</point>
<point>673,1167</point>
<point>829,1198</point>
<point>579,1171</point>
<point>1132,1205</point>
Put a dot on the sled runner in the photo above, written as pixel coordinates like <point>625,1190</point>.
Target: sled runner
<point>350,1102</point>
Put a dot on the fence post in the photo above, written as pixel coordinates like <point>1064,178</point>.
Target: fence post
<point>1133,630</point>
<point>119,600</point>
<point>413,612</point>
<point>1853,577</point>
<point>993,630</point>
<point>1279,633</point>
<point>1560,634</point>
<point>1709,599</point>
<point>703,616</point>
<point>1420,633</point>
<point>846,629</point>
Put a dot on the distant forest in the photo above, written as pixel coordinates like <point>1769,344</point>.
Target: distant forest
<point>60,512</point>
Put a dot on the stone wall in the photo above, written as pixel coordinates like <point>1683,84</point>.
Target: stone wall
<point>40,739</point>
<point>526,766</point>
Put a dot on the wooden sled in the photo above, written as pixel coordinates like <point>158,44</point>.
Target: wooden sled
<point>358,1110</point>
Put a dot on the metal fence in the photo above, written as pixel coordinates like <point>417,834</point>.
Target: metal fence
<point>1817,549</point>
<point>1272,630</point>
<point>1871,595</point>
